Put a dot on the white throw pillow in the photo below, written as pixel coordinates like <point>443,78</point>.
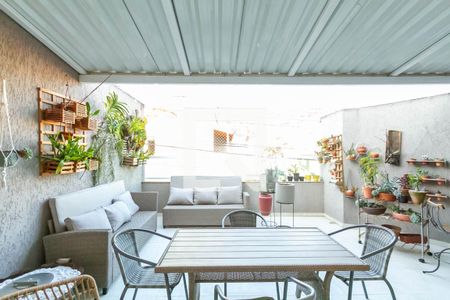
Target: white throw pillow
<point>95,219</point>
<point>230,195</point>
<point>128,200</point>
<point>181,196</point>
<point>117,213</point>
<point>205,195</point>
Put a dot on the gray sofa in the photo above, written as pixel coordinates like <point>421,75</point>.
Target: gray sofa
<point>92,249</point>
<point>201,215</point>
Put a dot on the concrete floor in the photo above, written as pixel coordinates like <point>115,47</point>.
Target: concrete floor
<point>404,273</point>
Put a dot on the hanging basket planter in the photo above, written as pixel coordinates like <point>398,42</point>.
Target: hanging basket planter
<point>50,167</point>
<point>130,161</point>
<point>93,164</point>
<point>86,124</point>
<point>79,166</point>
<point>78,108</point>
<point>58,114</point>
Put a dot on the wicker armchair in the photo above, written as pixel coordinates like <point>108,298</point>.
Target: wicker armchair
<point>377,249</point>
<point>308,291</point>
<point>137,272</point>
<point>243,218</point>
<point>82,287</point>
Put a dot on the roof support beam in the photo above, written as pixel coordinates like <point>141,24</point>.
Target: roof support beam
<point>172,20</point>
<point>430,50</point>
<point>314,35</point>
<point>263,79</point>
<point>30,27</point>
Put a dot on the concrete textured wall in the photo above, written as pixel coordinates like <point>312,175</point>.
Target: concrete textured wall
<point>425,129</point>
<point>26,64</point>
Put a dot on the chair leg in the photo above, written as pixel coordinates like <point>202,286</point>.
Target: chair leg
<point>285,290</point>
<point>124,292</point>
<point>169,292</point>
<point>278,290</point>
<point>135,293</point>
<point>185,287</point>
<point>365,289</point>
<point>225,290</point>
<point>350,286</point>
<point>390,288</point>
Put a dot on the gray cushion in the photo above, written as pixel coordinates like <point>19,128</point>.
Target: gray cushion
<point>117,213</point>
<point>229,195</point>
<point>95,219</point>
<point>205,195</point>
<point>181,196</point>
<point>128,200</point>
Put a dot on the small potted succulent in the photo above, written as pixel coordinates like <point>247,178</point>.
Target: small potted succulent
<point>415,182</point>
<point>350,154</point>
<point>350,192</point>
<point>404,189</point>
<point>369,171</point>
<point>371,208</point>
<point>387,190</point>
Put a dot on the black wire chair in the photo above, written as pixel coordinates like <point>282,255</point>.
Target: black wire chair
<point>137,272</point>
<point>377,249</point>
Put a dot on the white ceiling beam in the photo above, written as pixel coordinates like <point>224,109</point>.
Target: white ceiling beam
<point>171,17</point>
<point>31,28</point>
<point>263,79</point>
<point>314,35</point>
<point>427,52</point>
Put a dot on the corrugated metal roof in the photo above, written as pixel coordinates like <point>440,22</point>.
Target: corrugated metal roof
<point>291,37</point>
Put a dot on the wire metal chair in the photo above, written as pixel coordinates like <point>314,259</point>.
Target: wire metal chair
<point>377,249</point>
<point>81,287</point>
<point>243,218</point>
<point>138,272</point>
<point>302,288</point>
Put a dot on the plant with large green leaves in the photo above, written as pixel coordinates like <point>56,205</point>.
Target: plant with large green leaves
<point>369,170</point>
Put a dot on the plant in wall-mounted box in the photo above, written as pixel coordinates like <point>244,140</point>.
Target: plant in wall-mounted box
<point>89,122</point>
<point>369,170</point>
<point>405,215</point>
<point>350,154</point>
<point>388,190</point>
<point>370,207</point>
<point>415,182</point>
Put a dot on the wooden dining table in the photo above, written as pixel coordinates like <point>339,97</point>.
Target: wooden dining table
<point>225,250</point>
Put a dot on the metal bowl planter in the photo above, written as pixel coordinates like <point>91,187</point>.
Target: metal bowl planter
<point>374,210</point>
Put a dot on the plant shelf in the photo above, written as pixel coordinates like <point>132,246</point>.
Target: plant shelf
<point>440,181</point>
<point>431,163</point>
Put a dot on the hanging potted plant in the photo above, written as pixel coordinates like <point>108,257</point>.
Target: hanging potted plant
<point>89,122</point>
<point>9,158</point>
<point>387,190</point>
<point>350,192</point>
<point>369,170</point>
<point>361,149</point>
<point>350,154</point>
<point>415,182</point>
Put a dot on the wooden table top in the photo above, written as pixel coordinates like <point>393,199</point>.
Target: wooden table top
<point>256,250</point>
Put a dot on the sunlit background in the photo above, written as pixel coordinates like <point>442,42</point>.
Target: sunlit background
<point>244,129</point>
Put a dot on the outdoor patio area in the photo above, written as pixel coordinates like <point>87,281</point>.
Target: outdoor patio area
<point>224,149</point>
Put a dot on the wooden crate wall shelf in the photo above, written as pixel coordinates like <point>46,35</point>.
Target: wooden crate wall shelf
<point>336,152</point>
<point>57,113</point>
<point>431,163</point>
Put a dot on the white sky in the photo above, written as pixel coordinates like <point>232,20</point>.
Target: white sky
<point>313,100</point>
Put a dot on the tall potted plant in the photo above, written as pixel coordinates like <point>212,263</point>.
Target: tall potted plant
<point>369,170</point>
<point>415,182</point>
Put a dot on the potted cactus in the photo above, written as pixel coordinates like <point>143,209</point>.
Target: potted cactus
<point>415,182</point>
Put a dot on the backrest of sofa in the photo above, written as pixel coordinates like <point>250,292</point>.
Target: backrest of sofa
<point>83,201</point>
<point>205,181</point>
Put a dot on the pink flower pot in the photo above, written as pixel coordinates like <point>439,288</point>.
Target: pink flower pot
<point>265,204</point>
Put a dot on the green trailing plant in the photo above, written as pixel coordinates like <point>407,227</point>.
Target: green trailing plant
<point>415,180</point>
<point>387,186</point>
<point>369,170</point>
<point>134,136</point>
<point>414,216</point>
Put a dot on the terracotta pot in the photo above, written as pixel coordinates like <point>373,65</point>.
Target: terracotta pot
<point>441,182</point>
<point>349,193</point>
<point>374,210</point>
<point>351,157</point>
<point>361,149</point>
<point>395,229</point>
<point>375,155</point>
<point>417,197</point>
<point>386,197</point>
<point>401,217</point>
<point>411,238</point>
<point>367,192</point>
<point>265,204</point>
